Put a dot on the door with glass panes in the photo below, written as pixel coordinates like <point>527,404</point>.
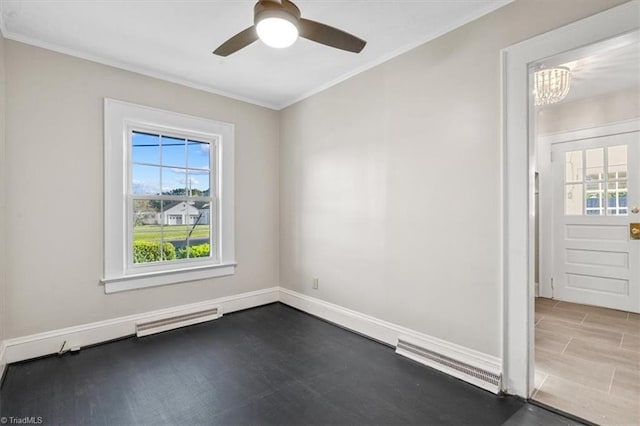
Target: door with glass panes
<point>595,200</point>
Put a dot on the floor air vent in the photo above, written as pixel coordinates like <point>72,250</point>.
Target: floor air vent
<point>175,320</point>
<point>488,378</point>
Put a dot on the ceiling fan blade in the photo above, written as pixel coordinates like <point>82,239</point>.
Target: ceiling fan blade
<point>237,42</point>
<point>330,36</point>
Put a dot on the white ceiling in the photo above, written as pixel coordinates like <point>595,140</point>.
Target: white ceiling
<point>173,39</point>
<point>602,68</point>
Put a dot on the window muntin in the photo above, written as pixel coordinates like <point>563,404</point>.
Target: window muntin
<point>172,197</point>
<point>123,161</point>
<point>596,182</point>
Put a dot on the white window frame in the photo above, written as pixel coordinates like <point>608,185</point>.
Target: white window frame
<point>213,141</point>
<point>120,118</point>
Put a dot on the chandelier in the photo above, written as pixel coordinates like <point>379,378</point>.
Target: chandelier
<point>551,85</point>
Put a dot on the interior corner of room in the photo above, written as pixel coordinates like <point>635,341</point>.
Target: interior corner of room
<point>338,209</point>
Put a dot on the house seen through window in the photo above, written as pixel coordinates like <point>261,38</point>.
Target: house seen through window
<point>171,197</point>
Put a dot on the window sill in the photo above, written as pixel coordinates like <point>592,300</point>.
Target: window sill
<point>155,279</point>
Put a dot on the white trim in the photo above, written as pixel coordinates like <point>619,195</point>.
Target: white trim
<point>160,278</point>
<point>518,183</point>
<point>3,362</point>
<point>119,275</point>
<point>490,7</point>
<point>389,333</point>
<point>626,126</point>
<point>544,146</point>
<point>10,35</point>
<point>545,247</point>
<point>50,342</point>
<point>35,345</point>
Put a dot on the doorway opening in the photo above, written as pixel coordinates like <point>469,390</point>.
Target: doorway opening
<point>586,132</point>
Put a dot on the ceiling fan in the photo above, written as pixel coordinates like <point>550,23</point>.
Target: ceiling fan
<point>278,23</point>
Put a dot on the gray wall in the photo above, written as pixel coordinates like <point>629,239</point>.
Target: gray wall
<point>386,186</point>
<point>390,181</point>
<point>3,278</point>
<point>54,180</point>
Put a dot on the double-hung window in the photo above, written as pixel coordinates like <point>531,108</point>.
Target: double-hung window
<point>168,197</point>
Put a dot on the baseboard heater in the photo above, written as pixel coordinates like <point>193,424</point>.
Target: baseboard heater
<point>176,320</point>
<point>485,376</point>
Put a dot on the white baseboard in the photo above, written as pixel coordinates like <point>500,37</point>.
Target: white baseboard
<point>390,333</point>
<point>3,363</point>
<point>35,345</point>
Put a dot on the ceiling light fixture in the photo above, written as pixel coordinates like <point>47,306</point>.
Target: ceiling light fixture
<point>551,85</point>
<point>277,23</point>
<point>277,32</point>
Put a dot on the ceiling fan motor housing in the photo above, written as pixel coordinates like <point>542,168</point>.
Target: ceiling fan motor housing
<point>278,23</point>
<point>277,9</point>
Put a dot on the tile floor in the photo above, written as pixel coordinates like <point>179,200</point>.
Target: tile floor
<point>588,361</point>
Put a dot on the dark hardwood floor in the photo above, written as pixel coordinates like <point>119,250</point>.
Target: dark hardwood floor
<point>268,365</point>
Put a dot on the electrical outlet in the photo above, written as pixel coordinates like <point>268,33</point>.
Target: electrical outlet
<point>315,283</point>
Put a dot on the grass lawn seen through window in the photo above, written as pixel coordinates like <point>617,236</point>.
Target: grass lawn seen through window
<point>169,232</point>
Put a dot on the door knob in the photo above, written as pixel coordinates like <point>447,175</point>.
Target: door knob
<point>634,231</point>
<point>635,210</point>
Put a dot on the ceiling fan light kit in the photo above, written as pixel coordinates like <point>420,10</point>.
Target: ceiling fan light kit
<point>278,23</point>
<point>277,27</point>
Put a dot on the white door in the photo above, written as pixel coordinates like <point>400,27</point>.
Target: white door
<point>596,195</point>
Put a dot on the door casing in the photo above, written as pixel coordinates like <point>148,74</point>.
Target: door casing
<point>518,180</point>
